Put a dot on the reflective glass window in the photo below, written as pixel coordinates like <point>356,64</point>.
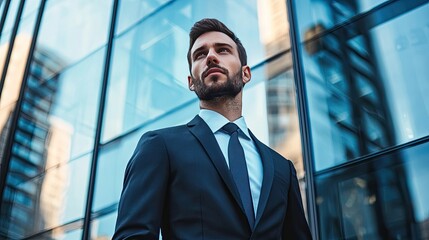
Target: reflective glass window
<point>73,29</point>
<point>103,227</point>
<point>60,110</point>
<point>10,20</point>
<point>15,69</point>
<point>132,11</point>
<point>329,13</point>
<point>389,202</point>
<point>367,91</point>
<point>50,200</point>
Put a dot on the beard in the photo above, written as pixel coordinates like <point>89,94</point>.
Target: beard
<point>229,89</point>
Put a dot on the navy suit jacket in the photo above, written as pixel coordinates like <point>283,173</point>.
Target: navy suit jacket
<point>178,180</point>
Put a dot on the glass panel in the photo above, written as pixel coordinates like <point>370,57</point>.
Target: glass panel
<point>18,59</point>
<point>329,13</point>
<point>389,202</point>
<point>149,69</point>
<point>57,121</point>
<point>75,100</point>
<point>104,227</point>
<point>54,198</point>
<point>82,35</point>
<point>29,11</point>
<point>131,11</point>
<point>367,91</point>
<point>10,19</point>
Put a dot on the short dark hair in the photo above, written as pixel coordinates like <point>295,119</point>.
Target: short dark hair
<point>213,25</point>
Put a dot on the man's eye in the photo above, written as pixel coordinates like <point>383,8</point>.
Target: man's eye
<point>223,50</point>
<point>199,55</point>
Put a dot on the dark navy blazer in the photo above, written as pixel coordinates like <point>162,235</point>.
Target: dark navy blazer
<point>178,180</point>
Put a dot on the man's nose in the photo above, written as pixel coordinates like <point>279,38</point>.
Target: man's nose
<point>212,58</point>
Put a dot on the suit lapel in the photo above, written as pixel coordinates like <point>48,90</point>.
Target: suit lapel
<point>205,136</point>
<point>268,165</point>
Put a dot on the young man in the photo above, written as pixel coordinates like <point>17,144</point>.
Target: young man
<point>211,178</point>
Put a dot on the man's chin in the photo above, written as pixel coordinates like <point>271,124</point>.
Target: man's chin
<point>217,95</point>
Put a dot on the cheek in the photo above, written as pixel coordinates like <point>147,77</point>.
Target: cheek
<point>194,70</point>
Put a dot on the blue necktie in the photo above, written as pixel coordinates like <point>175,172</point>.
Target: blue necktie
<point>238,168</point>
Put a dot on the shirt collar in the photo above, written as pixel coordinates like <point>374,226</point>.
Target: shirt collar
<point>216,121</point>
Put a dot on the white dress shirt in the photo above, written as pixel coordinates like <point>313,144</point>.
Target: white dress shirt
<point>216,121</point>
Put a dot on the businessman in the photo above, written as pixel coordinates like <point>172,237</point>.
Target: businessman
<point>211,178</point>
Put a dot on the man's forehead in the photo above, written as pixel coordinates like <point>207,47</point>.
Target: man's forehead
<point>211,38</point>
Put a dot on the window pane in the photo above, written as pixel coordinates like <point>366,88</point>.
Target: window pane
<point>53,199</point>
<point>104,227</point>
<point>18,58</point>
<point>70,37</point>
<point>367,91</point>
<point>329,13</point>
<point>131,11</point>
<point>388,203</point>
<point>56,123</point>
<point>10,20</point>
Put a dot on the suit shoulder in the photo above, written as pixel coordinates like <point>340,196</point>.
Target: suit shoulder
<point>167,132</point>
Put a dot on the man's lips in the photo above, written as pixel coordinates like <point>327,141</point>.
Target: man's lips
<point>213,70</point>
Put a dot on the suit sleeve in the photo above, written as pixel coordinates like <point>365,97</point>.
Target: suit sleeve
<point>144,191</point>
<point>295,225</point>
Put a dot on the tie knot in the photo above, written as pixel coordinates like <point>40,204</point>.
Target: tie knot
<point>230,128</point>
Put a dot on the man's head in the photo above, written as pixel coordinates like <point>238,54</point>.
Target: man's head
<point>217,61</point>
<point>213,25</point>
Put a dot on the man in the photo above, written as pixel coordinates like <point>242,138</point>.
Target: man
<point>211,179</point>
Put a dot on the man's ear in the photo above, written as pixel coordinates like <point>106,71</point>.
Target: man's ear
<point>246,74</point>
<point>191,84</point>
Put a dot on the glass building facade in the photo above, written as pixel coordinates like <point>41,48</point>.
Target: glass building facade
<point>338,87</point>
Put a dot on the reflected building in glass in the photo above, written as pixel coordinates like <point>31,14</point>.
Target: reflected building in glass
<point>338,87</point>
<point>365,110</point>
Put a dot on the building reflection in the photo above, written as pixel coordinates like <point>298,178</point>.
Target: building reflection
<point>283,126</point>
<point>32,201</point>
<point>368,204</point>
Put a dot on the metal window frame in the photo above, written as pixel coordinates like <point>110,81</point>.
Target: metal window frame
<point>86,234</point>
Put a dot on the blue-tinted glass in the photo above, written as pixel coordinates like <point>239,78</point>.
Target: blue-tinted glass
<point>75,103</point>
<point>366,86</point>
<point>53,199</point>
<point>17,62</point>
<point>71,30</point>
<point>28,17</point>
<point>149,68</point>
<point>329,12</point>
<point>103,227</point>
<point>60,111</point>
<point>389,202</point>
<point>131,11</point>
<point>10,19</point>
<point>2,5</point>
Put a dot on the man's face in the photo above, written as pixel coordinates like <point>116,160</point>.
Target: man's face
<point>216,69</point>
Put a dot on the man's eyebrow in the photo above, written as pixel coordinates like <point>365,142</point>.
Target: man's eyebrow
<point>223,45</point>
<point>216,45</point>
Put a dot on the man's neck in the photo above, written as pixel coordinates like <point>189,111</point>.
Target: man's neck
<point>230,108</point>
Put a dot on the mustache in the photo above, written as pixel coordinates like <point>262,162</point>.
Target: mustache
<point>214,65</point>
